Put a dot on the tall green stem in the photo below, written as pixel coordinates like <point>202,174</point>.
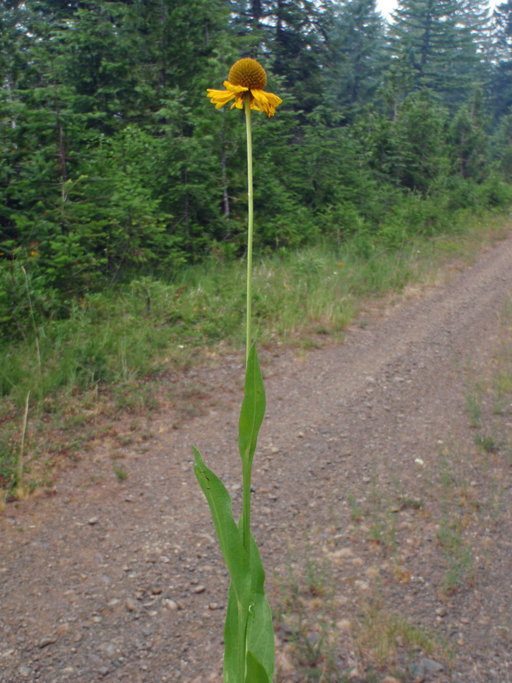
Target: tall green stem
<point>250,225</point>
<point>246,466</point>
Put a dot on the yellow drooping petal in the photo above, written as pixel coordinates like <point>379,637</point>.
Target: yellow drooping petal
<point>219,97</point>
<point>274,100</point>
<point>239,102</point>
<point>236,89</point>
<point>265,101</point>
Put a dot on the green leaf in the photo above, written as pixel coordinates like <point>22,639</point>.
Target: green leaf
<point>253,620</point>
<point>248,630</point>
<point>260,630</point>
<point>248,618</point>
<point>253,408</point>
<point>255,670</point>
<point>234,639</point>
<point>230,538</point>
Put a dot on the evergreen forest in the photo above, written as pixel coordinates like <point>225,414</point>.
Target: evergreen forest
<point>115,166</point>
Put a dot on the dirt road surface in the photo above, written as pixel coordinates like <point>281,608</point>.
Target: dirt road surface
<point>366,473</point>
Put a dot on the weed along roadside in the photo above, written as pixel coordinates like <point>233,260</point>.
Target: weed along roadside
<point>381,502</point>
<point>248,631</point>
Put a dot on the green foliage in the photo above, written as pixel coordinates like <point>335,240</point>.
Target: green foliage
<point>115,166</point>
<point>8,465</point>
<point>248,632</point>
<point>253,409</point>
<point>419,158</point>
<point>125,332</point>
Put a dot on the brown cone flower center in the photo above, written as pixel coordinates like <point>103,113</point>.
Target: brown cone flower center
<point>248,73</point>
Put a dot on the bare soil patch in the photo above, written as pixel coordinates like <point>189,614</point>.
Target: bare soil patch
<point>382,508</point>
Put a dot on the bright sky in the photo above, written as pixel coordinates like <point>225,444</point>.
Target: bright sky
<point>387,6</point>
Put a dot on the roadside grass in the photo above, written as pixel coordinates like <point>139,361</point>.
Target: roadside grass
<point>304,615</point>
<point>115,345</point>
<point>380,634</point>
<point>325,636</point>
<point>473,481</point>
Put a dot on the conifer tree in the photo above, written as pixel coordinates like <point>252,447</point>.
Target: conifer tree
<point>297,47</point>
<point>440,48</point>
<point>503,18</point>
<point>502,80</point>
<point>356,54</point>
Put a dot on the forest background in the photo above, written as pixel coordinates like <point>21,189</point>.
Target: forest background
<point>121,186</point>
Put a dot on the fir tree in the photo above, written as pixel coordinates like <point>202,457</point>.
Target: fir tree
<point>440,49</point>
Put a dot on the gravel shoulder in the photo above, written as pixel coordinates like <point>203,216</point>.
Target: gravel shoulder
<point>366,469</point>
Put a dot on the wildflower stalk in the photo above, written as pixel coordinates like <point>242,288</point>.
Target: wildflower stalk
<point>247,465</point>
<point>248,630</point>
<point>250,224</point>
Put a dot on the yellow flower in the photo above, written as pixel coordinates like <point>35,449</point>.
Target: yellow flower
<point>246,78</point>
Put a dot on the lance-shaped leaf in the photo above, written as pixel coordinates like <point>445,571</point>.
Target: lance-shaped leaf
<point>248,631</point>
<point>253,408</point>
<point>248,619</point>
<point>230,538</point>
<point>255,670</point>
<point>260,630</point>
<point>235,628</point>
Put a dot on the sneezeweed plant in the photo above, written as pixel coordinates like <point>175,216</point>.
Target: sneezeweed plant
<point>248,631</point>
